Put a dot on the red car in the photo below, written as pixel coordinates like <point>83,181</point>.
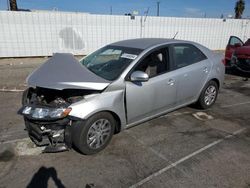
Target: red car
<point>237,55</point>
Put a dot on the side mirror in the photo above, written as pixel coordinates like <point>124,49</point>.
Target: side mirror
<point>237,45</point>
<point>139,76</point>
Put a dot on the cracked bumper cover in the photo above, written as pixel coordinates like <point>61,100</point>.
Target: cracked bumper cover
<point>54,134</point>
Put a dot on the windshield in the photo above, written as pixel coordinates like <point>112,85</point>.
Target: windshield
<point>110,61</point>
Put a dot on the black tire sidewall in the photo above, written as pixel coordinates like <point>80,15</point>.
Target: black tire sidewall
<point>201,101</point>
<point>81,128</point>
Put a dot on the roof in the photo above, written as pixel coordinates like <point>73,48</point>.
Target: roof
<point>143,43</point>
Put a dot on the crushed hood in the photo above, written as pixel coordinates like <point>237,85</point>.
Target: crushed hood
<point>63,71</point>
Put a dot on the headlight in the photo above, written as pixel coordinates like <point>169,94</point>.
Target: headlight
<point>27,110</point>
<point>56,113</point>
<point>41,113</point>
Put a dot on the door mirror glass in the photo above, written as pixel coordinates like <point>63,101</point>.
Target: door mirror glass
<point>139,76</point>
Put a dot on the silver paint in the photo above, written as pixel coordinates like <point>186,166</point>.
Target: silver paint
<point>63,71</point>
<point>134,103</point>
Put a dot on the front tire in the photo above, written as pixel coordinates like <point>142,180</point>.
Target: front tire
<point>208,95</point>
<point>94,134</point>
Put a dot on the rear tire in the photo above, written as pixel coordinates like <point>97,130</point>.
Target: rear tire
<point>208,95</point>
<point>94,134</point>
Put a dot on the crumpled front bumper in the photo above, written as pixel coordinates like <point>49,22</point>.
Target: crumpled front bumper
<point>55,135</point>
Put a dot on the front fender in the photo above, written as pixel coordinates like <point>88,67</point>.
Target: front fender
<point>107,101</point>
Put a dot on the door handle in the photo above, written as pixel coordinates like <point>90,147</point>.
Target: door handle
<point>171,81</point>
<point>205,70</point>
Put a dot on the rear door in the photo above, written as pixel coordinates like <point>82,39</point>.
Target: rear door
<point>233,43</point>
<point>191,69</point>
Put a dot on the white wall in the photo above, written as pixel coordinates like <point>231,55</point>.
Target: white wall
<point>43,33</point>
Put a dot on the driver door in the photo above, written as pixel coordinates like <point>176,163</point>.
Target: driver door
<point>233,43</point>
<point>146,99</point>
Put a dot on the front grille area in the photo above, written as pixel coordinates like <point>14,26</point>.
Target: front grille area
<point>43,133</point>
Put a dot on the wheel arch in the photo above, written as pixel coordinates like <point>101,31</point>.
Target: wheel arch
<point>118,125</point>
<point>216,81</point>
<point>117,119</point>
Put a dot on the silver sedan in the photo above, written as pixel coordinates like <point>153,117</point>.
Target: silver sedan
<point>83,103</point>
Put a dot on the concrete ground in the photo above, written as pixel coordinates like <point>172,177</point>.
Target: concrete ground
<point>185,148</point>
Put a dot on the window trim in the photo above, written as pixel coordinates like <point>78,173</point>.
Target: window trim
<point>183,44</point>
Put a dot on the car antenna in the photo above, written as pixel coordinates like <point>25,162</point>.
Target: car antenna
<point>175,34</point>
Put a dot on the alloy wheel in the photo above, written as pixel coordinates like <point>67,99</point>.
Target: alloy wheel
<point>99,133</point>
<point>210,95</point>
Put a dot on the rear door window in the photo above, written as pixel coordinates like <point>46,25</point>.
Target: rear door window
<point>185,55</point>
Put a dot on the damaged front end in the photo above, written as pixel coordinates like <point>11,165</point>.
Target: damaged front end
<point>46,115</point>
